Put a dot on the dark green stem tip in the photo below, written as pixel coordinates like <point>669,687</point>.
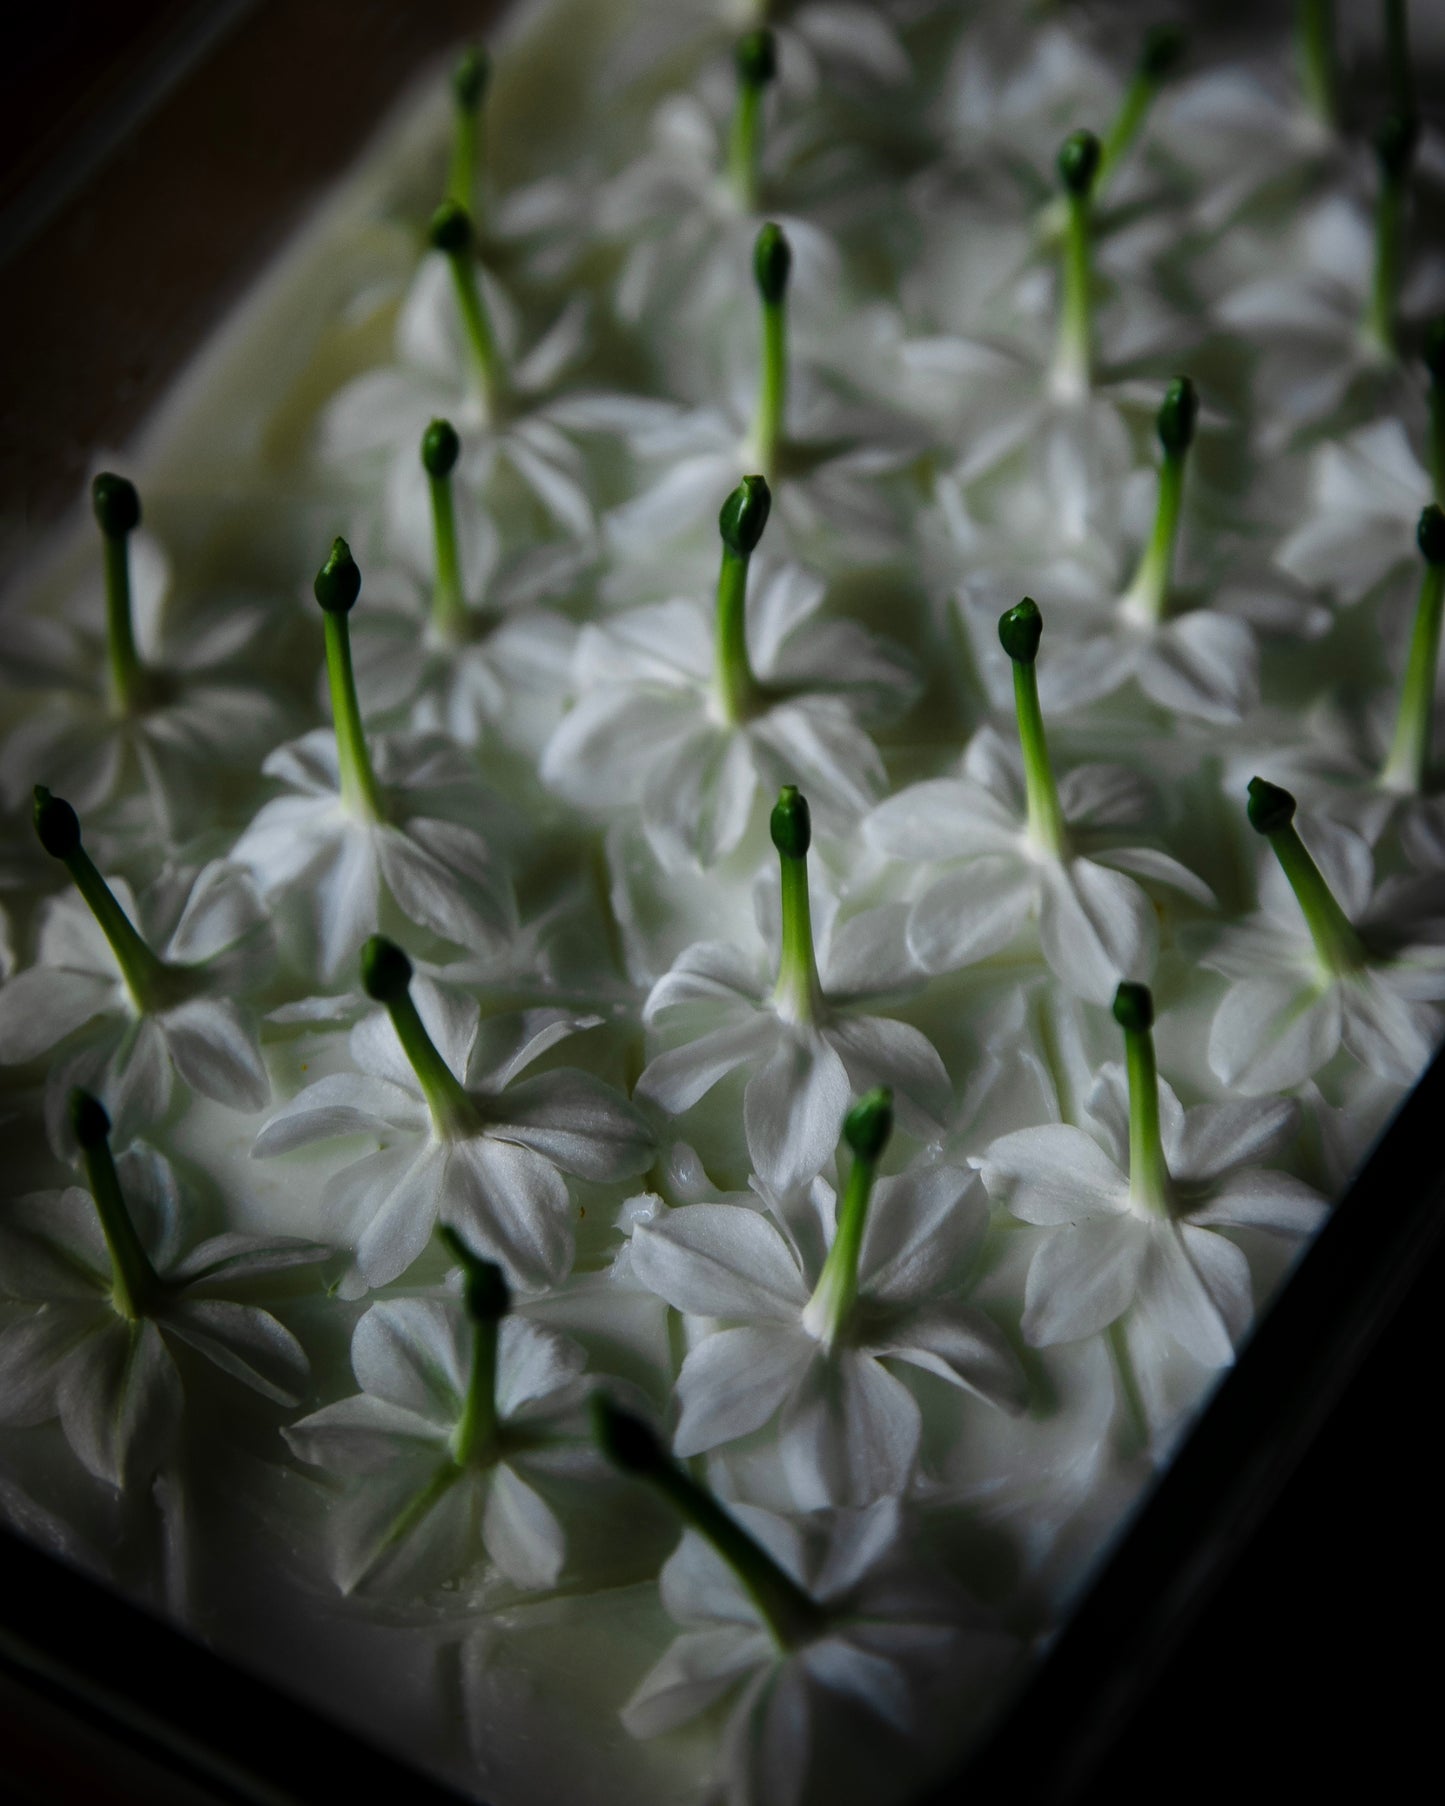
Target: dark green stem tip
<point>1163,51</point>
<point>1178,413</point>
<point>1079,163</point>
<point>440,448</point>
<point>57,826</point>
<point>624,1439</point>
<point>470,79</point>
<point>1270,808</point>
<point>791,824</point>
<point>772,263</point>
<point>1430,534</point>
<point>88,1119</point>
<point>756,57</point>
<point>338,582</point>
<point>484,1286</point>
<point>451,229</point>
<point>116,505</point>
<point>745,514</point>
<point>868,1125</point>
<point>1134,1008</point>
<point>1432,348</point>
<point>1395,142</point>
<point>1020,629</point>
<point>385,970</point>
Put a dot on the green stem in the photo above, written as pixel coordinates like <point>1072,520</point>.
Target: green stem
<point>1315,54</point>
<point>1045,813</point>
<point>790,1614</point>
<point>1337,943</point>
<point>127,675</point>
<point>462,178</point>
<point>1148,594</point>
<point>1073,353</point>
<point>737,688</point>
<point>1125,126</point>
<point>477,325</point>
<point>745,146</point>
<point>452,1110</point>
<point>142,970</point>
<point>475,1436</point>
<point>1381,309</point>
<point>359,789</point>
<point>135,1284</point>
<point>826,1312</point>
<point>798,993</point>
<point>1437,438</point>
<point>768,432</point>
<point>1397,56</point>
<point>450,616</point>
<point>1148,1170</point>
<point>1406,767</point>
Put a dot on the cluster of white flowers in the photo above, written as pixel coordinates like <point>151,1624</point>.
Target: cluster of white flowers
<point>887,559</point>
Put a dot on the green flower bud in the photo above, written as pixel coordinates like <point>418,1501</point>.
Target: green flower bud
<point>471,78</point>
<point>745,514</point>
<point>772,263</point>
<point>88,1119</point>
<point>1430,534</point>
<point>440,448</point>
<point>1164,47</point>
<point>1395,142</point>
<point>790,824</point>
<point>756,57</point>
<point>56,824</point>
<point>1079,163</point>
<point>1270,808</point>
<point>1020,629</point>
<point>1134,1008</point>
<point>116,505</point>
<point>1177,414</point>
<point>624,1439</point>
<point>338,582</point>
<point>385,970</point>
<point>868,1125</point>
<point>451,229</point>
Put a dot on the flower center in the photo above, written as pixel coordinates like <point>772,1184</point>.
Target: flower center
<point>866,1129</point>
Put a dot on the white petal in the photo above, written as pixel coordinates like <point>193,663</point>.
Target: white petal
<point>244,1341</point>
<point>972,913</point>
<point>521,1532</point>
<point>363,1435</point>
<point>1182,1302</point>
<point>719,1260</point>
<point>851,1433</point>
<point>1054,1174</point>
<point>342,1103</point>
<point>942,818</point>
<point>415,1353</point>
<point>699,1667</point>
<point>793,1110</point>
<point>578,1123</point>
<point>217,1052</point>
<point>404,1218</point>
<point>1082,1278</point>
<point>921,1227</point>
<point>511,1205</point>
<point>39,1008</point>
<point>120,1402</point>
<point>1253,1198</point>
<point>1218,1137</point>
<point>1270,1034</point>
<point>1202,664</point>
<point>879,1051</point>
<point>960,1345</point>
<point>534,1366</point>
<point>1096,927</point>
<point>675,1080</point>
<point>734,1380</point>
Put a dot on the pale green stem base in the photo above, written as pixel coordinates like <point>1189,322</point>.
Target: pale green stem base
<point>798,995</point>
<point>744,147</point>
<point>475,1437</point>
<point>769,427</point>
<point>359,789</point>
<point>1147,597</point>
<point>1046,825</point>
<point>826,1313</point>
<point>1072,371</point>
<point>1336,941</point>
<point>144,972</point>
<point>135,1284</point>
<point>477,327</point>
<point>1407,766</point>
<point>453,1113</point>
<point>737,688</point>
<point>462,176</point>
<point>1149,1186</point>
<point>450,616</point>
<point>127,676</point>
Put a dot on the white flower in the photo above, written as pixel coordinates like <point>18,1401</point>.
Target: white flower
<point>126,1027</point>
<point>1095,923</point>
<point>191,714</point>
<point>477,1147</point>
<point>424,1509</point>
<point>1112,1248</point>
<point>513,646</point>
<point>798,1029</point>
<point>1367,491</point>
<point>378,419</point>
<point>112,1377</point>
<point>648,727</point>
<point>1291,1004</point>
<point>338,863</point>
<point>849,1429</point>
<point>887,1643</point>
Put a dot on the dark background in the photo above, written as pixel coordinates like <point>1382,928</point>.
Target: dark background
<point>1315,1664</point>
